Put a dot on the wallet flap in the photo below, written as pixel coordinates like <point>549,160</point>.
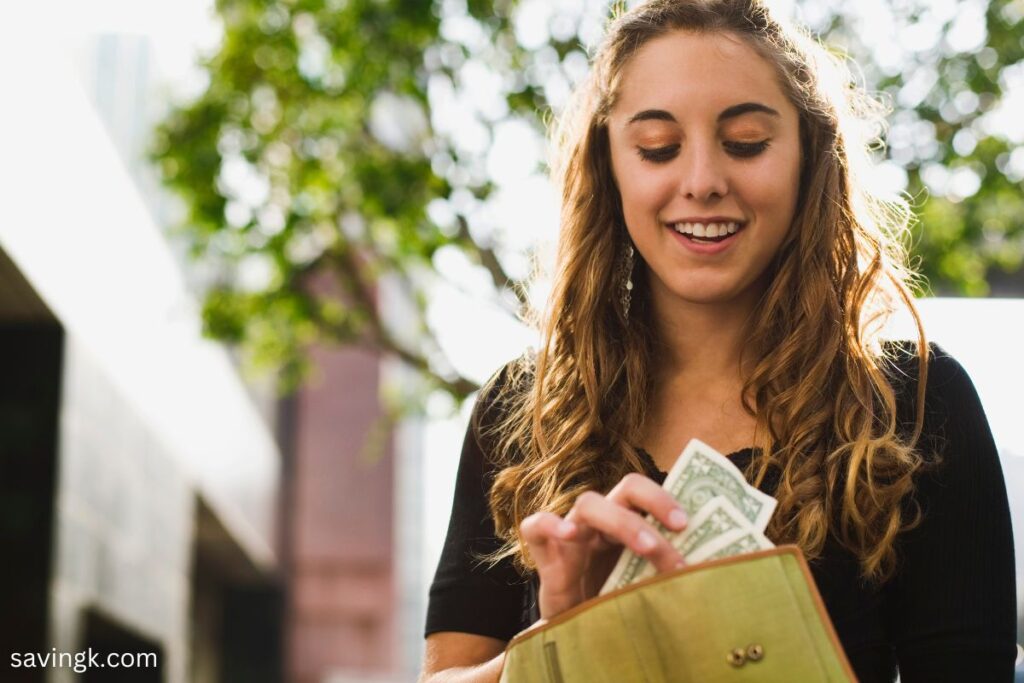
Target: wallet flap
<point>751,617</point>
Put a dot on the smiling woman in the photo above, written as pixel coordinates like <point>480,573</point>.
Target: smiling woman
<point>703,137</point>
<point>724,274</point>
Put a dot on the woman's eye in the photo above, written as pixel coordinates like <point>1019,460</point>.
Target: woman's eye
<point>660,155</point>
<point>736,149</point>
<point>746,149</point>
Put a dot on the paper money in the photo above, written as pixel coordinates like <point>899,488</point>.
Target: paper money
<point>745,541</point>
<point>717,520</point>
<point>726,514</point>
<point>701,473</point>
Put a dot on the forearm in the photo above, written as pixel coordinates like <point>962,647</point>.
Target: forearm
<point>488,672</point>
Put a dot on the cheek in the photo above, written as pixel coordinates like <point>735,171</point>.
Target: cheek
<point>643,189</point>
<point>773,188</point>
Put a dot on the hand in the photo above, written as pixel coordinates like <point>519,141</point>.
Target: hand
<point>576,554</point>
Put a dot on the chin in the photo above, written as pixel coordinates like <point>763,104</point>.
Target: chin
<point>709,298</point>
<point>721,291</point>
<point>704,295</point>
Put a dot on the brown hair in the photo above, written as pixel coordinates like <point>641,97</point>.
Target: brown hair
<point>826,412</point>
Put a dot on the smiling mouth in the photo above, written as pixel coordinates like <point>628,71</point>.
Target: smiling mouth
<point>707,233</point>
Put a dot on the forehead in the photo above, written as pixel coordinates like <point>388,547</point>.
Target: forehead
<point>692,72</point>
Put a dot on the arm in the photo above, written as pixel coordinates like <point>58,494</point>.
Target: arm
<point>952,606</point>
<point>474,609</point>
<point>462,658</point>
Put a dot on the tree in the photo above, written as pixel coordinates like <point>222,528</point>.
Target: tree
<point>314,150</point>
<point>945,68</point>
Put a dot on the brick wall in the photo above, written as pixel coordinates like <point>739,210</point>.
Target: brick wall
<point>342,602</point>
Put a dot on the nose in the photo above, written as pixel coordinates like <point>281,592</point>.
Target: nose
<point>703,177</point>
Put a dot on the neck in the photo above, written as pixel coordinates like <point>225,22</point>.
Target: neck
<point>702,343</point>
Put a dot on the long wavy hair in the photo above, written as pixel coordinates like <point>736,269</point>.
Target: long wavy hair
<point>571,413</point>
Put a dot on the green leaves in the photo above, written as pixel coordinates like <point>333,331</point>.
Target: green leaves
<point>308,164</point>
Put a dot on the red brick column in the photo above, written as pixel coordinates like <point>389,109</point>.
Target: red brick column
<point>341,606</point>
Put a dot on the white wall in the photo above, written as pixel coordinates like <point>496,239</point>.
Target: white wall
<point>74,221</point>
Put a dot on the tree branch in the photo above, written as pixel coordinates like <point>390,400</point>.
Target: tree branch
<point>489,260</point>
<point>351,272</point>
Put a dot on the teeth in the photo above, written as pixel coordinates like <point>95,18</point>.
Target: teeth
<point>708,230</point>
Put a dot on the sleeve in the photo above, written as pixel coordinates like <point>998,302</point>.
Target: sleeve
<point>466,595</point>
<point>952,606</point>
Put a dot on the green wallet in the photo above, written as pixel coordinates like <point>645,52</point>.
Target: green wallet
<point>751,617</point>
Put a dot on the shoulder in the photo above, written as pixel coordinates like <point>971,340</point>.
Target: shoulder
<point>952,407</point>
<point>945,373</point>
<point>500,394</point>
<point>947,383</point>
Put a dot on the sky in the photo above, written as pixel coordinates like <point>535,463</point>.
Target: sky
<point>178,30</point>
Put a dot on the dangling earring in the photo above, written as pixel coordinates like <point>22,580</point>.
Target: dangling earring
<point>626,278</point>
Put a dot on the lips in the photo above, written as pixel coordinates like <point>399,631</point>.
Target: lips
<point>708,230</point>
<point>688,235</point>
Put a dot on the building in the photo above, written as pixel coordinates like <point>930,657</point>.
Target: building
<point>144,475</point>
<point>153,500</point>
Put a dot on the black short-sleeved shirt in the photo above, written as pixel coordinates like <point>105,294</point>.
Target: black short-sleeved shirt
<point>948,614</point>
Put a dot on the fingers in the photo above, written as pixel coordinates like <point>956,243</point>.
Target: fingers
<point>616,517</point>
<point>542,527</point>
<point>640,493</point>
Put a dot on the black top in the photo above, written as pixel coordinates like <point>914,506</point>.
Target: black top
<point>948,615</point>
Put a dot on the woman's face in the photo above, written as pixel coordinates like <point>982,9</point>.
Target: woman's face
<point>703,141</point>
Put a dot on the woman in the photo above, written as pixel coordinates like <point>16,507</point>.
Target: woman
<point>723,273</point>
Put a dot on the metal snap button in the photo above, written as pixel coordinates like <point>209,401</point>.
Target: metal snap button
<point>737,657</point>
<point>755,652</point>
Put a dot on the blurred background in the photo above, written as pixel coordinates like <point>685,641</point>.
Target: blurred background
<point>256,257</point>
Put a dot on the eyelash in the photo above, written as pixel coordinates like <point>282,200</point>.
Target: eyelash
<point>743,150</point>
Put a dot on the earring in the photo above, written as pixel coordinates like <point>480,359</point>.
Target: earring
<point>626,278</point>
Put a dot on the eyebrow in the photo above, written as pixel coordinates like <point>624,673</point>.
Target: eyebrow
<point>728,113</point>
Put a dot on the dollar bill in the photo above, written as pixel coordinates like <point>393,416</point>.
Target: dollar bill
<point>699,476</point>
<point>718,519</point>
<point>734,543</point>
<point>701,473</point>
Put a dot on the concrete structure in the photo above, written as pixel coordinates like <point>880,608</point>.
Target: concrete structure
<point>143,503</point>
<point>154,501</point>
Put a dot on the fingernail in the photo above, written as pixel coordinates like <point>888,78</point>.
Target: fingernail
<point>565,528</point>
<point>645,541</point>
<point>677,518</point>
<point>680,564</point>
